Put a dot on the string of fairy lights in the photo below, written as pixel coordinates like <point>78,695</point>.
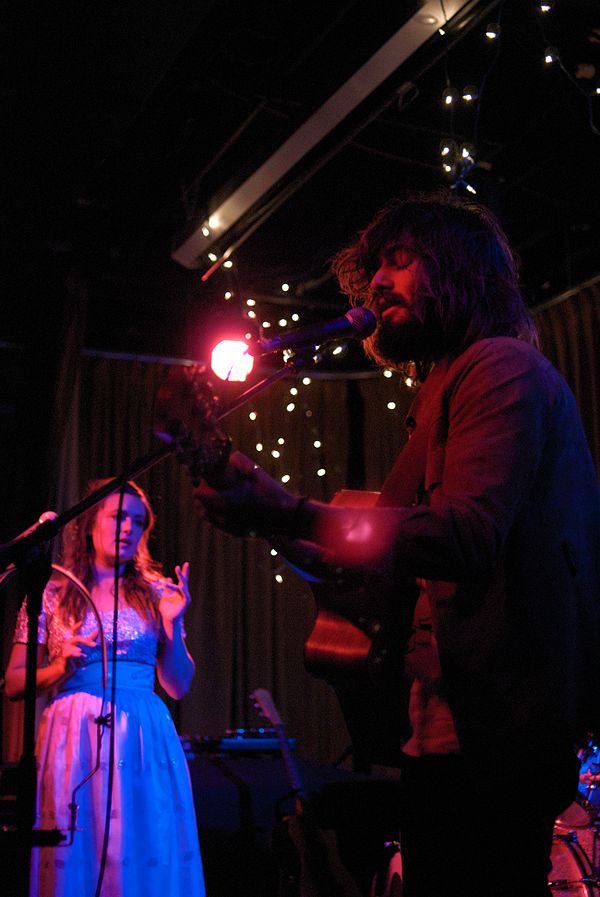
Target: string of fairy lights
<point>274,450</point>
<point>459,157</point>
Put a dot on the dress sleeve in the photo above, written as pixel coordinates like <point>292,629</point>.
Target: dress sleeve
<point>22,624</point>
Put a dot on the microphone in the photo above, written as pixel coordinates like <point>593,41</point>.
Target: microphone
<point>358,323</point>
<point>42,531</point>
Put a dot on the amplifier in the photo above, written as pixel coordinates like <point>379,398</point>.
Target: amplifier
<point>241,741</point>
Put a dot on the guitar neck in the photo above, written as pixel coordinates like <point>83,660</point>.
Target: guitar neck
<point>291,768</point>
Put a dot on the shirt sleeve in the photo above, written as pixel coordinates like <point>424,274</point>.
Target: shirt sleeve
<point>490,424</point>
<point>490,450</point>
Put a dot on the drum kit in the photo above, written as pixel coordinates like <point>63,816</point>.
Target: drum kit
<point>576,842</point>
<point>575,854</point>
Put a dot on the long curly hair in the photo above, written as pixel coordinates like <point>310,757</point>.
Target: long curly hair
<point>78,556</point>
<point>468,273</point>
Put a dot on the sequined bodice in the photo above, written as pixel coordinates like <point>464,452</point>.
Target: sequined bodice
<point>137,637</point>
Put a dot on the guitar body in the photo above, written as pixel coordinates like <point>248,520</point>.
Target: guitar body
<point>357,644</point>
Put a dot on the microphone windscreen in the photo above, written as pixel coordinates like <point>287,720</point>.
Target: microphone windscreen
<point>363,321</point>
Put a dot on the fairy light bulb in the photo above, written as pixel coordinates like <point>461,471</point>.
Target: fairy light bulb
<point>391,406</point>
<point>295,317</point>
<point>251,313</point>
<point>321,472</point>
<point>447,148</point>
<point>546,6</point>
<point>205,231</point>
<point>470,93</point>
<point>290,407</point>
<point>285,287</point>
<point>278,578</point>
<point>228,294</point>
<point>306,381</point>
<point>492,32</point>
<point>387,373</point>
<point>212,256</point>
<point>286,478</point>
<point>467,152</point>
<point>251,302</point>
<point>450,96</point>
<point>228,264</point>
<point>252,415</point>
<point>550,55</point>
<point>282,322</point>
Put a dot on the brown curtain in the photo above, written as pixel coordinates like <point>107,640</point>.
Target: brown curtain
<point>245,629</point>
<point>569,328</point>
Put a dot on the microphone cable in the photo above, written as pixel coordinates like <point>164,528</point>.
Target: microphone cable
<point>111,716</point>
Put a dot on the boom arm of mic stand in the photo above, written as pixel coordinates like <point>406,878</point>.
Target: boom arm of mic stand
<point>16,551</point>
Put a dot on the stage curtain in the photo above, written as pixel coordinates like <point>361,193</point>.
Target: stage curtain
<point>569,330</point>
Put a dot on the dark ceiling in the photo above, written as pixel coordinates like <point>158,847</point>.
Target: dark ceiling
<point>129,123</point>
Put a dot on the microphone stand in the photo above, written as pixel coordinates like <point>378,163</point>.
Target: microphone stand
<point>29,553</point>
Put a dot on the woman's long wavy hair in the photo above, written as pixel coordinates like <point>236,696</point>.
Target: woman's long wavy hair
<point>468,273</point>
<point>78,557</point>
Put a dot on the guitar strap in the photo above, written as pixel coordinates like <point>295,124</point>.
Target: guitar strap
<point>403,482</point>
<point>373,697</point>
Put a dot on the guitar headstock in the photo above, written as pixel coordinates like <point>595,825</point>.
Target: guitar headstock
<point>186,416</point>
<point>264,702</point>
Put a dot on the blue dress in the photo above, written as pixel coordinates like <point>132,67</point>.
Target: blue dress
<point>153,848</point>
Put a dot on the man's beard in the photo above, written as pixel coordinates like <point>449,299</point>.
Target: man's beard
<point>414,340</point>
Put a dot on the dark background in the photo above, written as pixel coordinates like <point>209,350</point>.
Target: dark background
<point>126,124</point>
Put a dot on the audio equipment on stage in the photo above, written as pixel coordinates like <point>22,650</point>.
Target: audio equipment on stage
<point>241,741</point>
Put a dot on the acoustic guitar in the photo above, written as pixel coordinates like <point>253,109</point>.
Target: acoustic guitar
<point>357,644</point>
<point>362,624</point>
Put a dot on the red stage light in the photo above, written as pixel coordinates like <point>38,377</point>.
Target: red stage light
<point>230,360</point>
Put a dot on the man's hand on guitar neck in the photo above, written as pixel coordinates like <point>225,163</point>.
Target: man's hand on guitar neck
<point>312,535</point>
<point>247,501</point>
